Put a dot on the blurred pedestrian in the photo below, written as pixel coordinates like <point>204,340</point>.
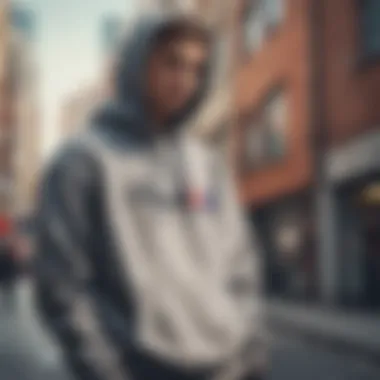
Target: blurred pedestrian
<point>145,270</point>
<point>23,245</point>
<point>8,265</point>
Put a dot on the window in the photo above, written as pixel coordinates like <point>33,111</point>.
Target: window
<point>265,140</point>
<point>6,159</point>
<point>262,18</point>
<point>370,26</point>
<point>254,146</point>
<point>287,234</point>
<point>5,185</point>
<point>253,26</point>
<point>275,112</point>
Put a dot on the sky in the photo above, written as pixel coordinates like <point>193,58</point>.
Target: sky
<point>68,51</point>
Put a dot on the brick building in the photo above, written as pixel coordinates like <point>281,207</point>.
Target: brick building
<point>349,101</point>
<point>307,85</point>
<point>275,153</point>
<point>26,146</point>
<point>5,107</point>
<point>19,159</point>
<point>4,4</point>
<point>26,134</point>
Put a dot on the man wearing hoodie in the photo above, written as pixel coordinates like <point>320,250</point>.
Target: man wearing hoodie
<point>144,268</point>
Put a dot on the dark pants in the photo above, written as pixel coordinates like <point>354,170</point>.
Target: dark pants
<point>8,269</point>
<point>143,367</point>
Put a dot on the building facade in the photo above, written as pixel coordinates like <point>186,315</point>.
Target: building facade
<point>5,108</point>
<point>3,36</point>
<point>19,137</point>
<point>26,134</point>
<point>350,43</point>
<point>275,157</point>
<point>308,144</point>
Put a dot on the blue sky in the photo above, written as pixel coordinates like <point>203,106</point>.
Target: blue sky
<point>68,49</point>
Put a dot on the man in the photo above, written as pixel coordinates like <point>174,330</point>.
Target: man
<point>144,270</point>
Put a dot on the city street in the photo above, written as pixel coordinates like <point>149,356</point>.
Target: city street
<point>26,352</point>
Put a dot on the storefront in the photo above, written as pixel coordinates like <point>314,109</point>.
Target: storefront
<point>359,242</point>
<point>354,248</point>
<point>287,233</point>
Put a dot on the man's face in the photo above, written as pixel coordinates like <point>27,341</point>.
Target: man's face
<point>175,72</point>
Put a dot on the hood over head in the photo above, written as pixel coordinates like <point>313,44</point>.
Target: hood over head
<point>126,114</point>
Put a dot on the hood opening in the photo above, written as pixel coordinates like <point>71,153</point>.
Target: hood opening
<point>128,110</point>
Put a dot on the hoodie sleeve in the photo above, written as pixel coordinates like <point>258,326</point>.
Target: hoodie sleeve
<point>66,295</point>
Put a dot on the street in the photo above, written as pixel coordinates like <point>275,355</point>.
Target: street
<point>27,353</point>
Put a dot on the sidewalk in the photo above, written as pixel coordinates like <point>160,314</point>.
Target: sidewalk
<point>24,340</point>
<point>354,332</point>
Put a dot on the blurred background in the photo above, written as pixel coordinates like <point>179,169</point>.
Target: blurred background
<point>297,101</point>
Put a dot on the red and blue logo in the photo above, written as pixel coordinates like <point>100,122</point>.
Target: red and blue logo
<point>192,200</point>
<point>198,200</point>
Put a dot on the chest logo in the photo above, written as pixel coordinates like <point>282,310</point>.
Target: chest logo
<point>198,200</point>
<point>188,199</point>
